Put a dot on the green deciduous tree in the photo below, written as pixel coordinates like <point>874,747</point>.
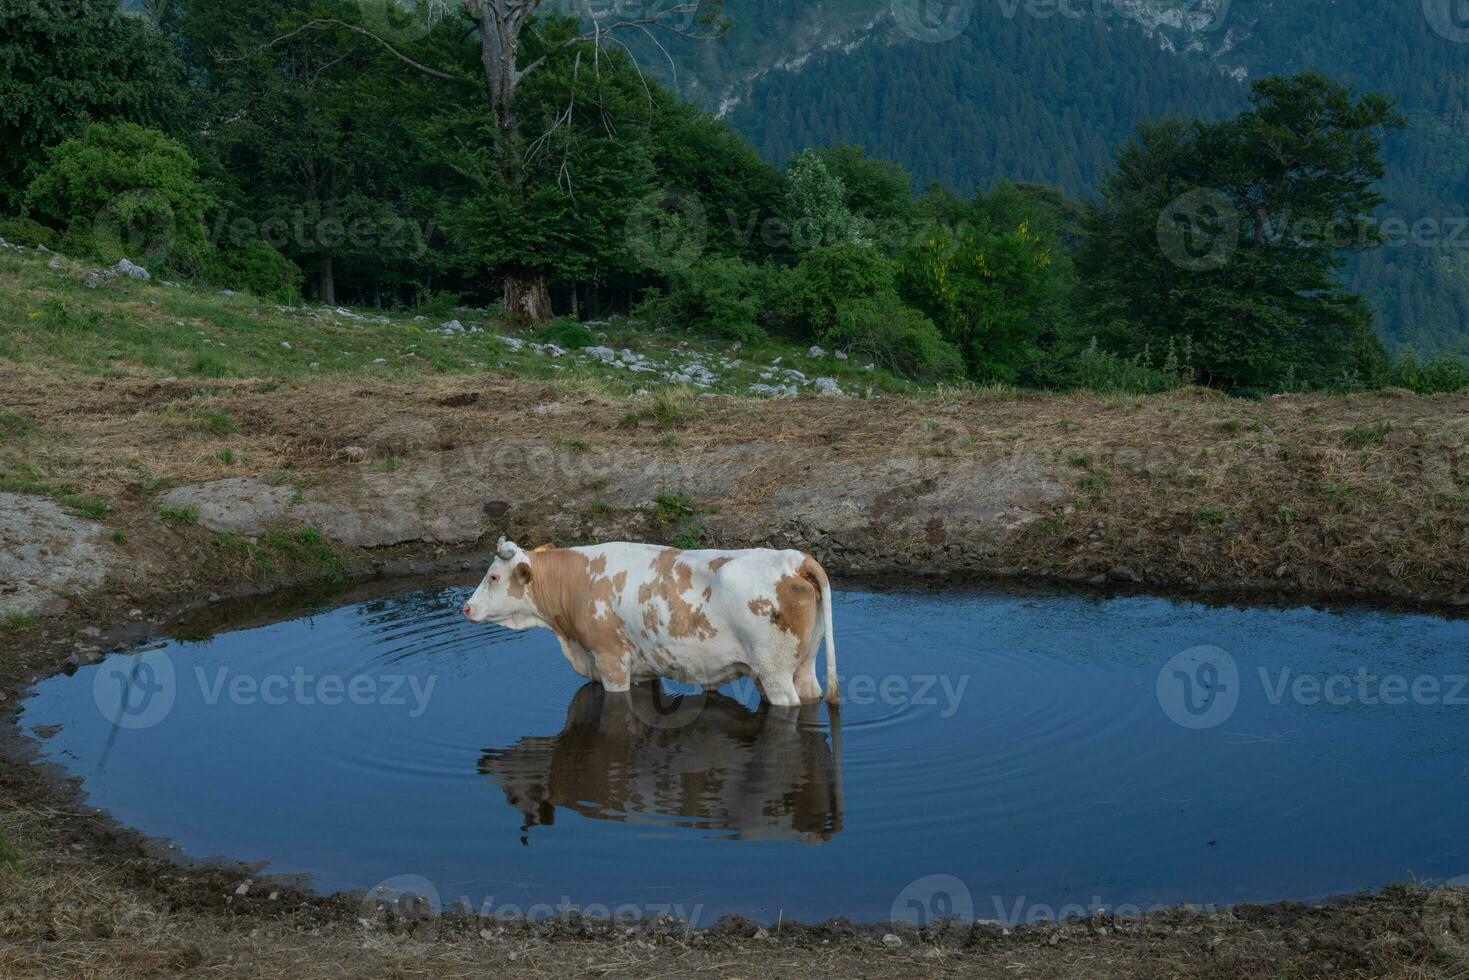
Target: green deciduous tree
<point>987,292</point>
<point>126,191</point>
<point>1231,235</point>
<point>67,63</point>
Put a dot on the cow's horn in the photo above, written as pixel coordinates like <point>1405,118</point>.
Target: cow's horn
<point>505,549</point>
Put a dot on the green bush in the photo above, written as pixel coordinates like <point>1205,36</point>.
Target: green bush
<point>25,231</point>
<point>1439,375</point>
<point>1107,373</point>
<point>256,268</point>
<point>987,291</point>
<point>125,191</point>
<point>809,295</point>
<point>567,333</point>
<point>437,304</point>
<point>721,297</point>
<point>896,336</point>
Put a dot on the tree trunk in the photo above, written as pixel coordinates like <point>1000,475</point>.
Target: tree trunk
<point>527,298</point>
<point>326,282</point>
<point>575,305</point>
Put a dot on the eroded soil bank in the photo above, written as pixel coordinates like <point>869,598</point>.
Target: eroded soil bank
<point>129,502</point>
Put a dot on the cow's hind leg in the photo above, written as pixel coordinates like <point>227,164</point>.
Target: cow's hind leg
<point>807,687</point>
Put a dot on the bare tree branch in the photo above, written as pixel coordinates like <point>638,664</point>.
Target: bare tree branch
<point>360,30</point>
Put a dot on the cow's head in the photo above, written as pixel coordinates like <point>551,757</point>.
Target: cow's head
<point>503,597</point>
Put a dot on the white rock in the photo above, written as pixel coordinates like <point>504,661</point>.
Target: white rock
<point>891,940</point>
<point>828,386</point>
<point>604,354</point>
<point>125,267</point>
<point>840,355</point>
<point>285,345</point>
<point>816,352</point>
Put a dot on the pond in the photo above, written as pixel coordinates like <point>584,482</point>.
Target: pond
<point>1008,757</point>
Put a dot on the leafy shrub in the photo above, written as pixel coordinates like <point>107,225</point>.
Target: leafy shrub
<point>896,336</point>
<point>437,304</point>
<point>986,291</point>
<point>809,295</point>
<point>25,231</point>
<point>1104,372</point>
<point>125,191</point>
<point>1439,375</point>
<point>721,297</point>
<point>568,334</point>
<point>257,268</point>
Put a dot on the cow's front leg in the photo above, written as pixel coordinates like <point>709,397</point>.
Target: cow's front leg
<point>580,660</point>
<point>780,690</point>
<point>614,670</point>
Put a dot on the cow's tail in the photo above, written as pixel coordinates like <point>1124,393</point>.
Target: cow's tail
<point>823,583</point>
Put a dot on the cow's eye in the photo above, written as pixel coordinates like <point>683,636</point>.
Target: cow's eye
<point>494,578</point>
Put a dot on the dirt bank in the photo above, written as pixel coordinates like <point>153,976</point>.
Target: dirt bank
<point>125,502</point>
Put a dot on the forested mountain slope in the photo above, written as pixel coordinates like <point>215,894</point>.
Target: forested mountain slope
<point>1045,92</point>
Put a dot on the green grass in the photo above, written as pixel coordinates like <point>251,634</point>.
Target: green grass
<point>1210,517</point>
<point>89,508</point>
<point>680,516</point>
<point>18,623</point>
<point>14,427</point>
<point>149,329</point>
<point>178,516</point>
<point>301,555</point>
<point>1362,436</point>
<point>209,423</point>
<point>10,857</point>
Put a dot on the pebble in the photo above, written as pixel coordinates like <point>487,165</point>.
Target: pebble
<point>891,940</point>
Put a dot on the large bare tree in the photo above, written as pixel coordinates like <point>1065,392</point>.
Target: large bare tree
<point>501,26</point>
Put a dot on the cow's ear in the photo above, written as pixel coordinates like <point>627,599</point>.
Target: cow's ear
<point>523,574</point>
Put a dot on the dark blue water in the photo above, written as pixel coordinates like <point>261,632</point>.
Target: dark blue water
<point>996,756</point>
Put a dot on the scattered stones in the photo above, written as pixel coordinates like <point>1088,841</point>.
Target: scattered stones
<point>828,386</point>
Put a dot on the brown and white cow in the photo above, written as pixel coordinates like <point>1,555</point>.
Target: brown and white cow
<point>626,613</point>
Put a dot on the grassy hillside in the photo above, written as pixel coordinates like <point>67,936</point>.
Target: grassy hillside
<point>60,313</point>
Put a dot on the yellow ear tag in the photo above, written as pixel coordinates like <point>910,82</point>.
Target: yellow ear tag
<point>544,547</point>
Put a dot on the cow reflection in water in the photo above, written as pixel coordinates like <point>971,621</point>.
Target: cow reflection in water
<point>641,757</point>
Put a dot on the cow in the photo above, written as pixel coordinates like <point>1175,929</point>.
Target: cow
<point>627,613</point>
